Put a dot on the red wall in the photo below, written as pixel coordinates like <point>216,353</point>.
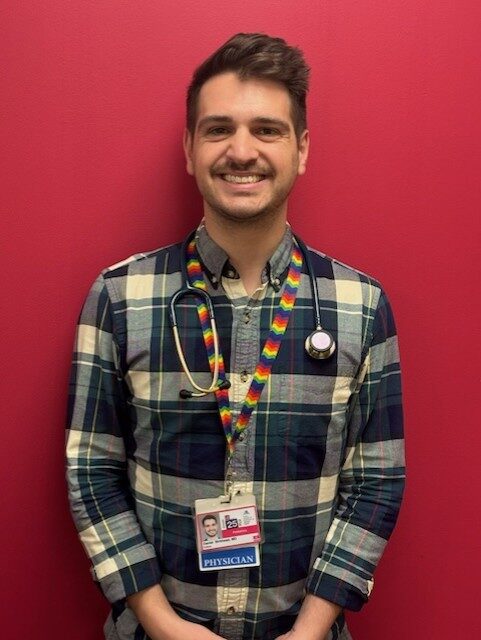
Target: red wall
<point>93,171</point>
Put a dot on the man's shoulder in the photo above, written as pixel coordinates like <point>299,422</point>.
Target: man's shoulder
<point>141,276</point>
<point>163,260</point>
<point>325,265</point>
<point>347,287</point>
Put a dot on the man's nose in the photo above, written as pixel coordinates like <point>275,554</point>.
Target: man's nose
<point>242,148</point>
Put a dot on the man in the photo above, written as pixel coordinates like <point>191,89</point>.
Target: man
<point>210,527</point>
<point>316,442</point>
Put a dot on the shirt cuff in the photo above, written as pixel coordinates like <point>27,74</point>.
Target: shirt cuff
<point>131,574</point>
<point>343,573</point>
<point>332,588</point>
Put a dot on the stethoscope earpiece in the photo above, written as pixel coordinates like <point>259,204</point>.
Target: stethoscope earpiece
<point>320,344</point>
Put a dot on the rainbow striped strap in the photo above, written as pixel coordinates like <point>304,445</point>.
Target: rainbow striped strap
<point>269,352</point>
<point>196,279</point>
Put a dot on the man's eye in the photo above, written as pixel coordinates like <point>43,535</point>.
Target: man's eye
<point>217,131</point>
<point>268,132</point>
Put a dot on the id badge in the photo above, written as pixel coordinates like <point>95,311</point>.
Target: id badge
<point>227,532</point>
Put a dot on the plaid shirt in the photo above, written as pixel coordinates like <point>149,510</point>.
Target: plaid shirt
<point>323,452</point>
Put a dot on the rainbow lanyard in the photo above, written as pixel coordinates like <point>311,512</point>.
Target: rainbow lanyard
<point>269,352</point>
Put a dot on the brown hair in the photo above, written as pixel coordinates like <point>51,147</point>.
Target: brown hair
<point>256,55</point>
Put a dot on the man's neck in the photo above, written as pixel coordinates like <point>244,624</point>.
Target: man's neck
<point>249,246</point>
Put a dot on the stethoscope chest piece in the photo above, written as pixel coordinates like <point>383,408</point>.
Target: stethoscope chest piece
<point>320,344</point>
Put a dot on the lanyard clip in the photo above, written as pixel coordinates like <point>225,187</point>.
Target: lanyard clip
<point>229,481</point>
<point>228,489</point>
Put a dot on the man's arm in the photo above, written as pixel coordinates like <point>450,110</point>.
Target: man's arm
<point>314,621</point>
<point>371,480</point>
<point>100,500</point>
<point>160,621</point>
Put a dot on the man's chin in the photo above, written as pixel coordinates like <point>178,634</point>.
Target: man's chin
<point>243,214</point>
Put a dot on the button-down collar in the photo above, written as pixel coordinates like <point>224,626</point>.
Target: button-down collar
<point>217,265</point>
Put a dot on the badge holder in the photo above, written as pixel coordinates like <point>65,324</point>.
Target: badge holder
<point>227,532</point>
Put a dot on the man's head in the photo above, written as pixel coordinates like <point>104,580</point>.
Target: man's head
<point>209,523</point>
<point>246,140</point>
<point>256,56</point>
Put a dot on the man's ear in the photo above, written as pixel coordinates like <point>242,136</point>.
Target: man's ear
<point>303,151</point>
<point>187,142</point>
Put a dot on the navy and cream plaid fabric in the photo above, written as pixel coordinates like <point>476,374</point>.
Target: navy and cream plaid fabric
<point>323,453</point>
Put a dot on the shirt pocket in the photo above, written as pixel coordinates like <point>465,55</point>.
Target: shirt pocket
<point>309,445</point>
<point>309,428</point>
<point>326,395</point>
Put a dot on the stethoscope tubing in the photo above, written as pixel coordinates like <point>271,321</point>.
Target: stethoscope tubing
<point>315,294</point>
<point>189,290</point>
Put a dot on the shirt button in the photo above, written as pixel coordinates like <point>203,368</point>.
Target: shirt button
<point>242,436</point>
<point>276,282</point>
<point>244,376</point>
<point>230,273</point>
<point>230,611</point>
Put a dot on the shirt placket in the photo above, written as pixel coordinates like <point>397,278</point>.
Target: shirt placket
<point>233,583</point>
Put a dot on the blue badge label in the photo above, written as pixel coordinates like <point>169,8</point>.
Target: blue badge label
<point>229,558</point>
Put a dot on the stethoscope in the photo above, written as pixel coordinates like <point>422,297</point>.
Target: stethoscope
<point>319,345</point>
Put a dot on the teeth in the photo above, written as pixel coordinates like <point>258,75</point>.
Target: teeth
<point>242,179</point>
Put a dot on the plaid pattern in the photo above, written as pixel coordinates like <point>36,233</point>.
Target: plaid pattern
<point>323,452</point>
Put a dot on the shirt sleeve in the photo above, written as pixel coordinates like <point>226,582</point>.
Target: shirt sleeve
<point>371,481</point>
<point>100,500</point>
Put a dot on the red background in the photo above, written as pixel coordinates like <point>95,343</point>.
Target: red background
<point>93,171</point>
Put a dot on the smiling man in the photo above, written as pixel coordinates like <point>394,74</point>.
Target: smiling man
<point>245,155</point>
<point>211,528</point>
<point>241,347</point>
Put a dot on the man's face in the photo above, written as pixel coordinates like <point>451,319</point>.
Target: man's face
<point>244,153</point>
<point>210,527</point>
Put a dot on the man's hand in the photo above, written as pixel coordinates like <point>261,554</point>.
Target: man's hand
<point>160,621</point>
<point>315,619</point>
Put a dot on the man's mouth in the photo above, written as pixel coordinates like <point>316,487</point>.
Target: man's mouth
<point>245,179</point>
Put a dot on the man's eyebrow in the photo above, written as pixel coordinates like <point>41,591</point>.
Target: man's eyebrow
<point>282,124</point>
<point>213,119</point>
